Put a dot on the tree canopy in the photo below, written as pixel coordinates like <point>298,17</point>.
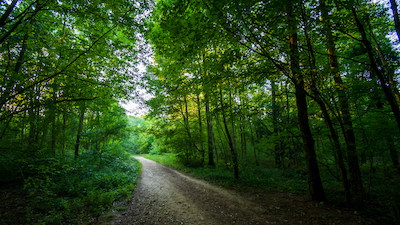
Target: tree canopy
<point>309,87</point>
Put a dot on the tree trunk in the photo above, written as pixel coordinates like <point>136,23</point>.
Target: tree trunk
<point>393,152</point>
<point>389,73</point>
<point>355,173</point>
<point>53,121</point>
<point>232,119</point>
<point>277,149</point>
<point>253,142</point>
<point>64,134</point>
<point>80,127</point>
<point>233,152</point>
<point>200,128</point>
<point>208,120</point>
<point>396,17</point>
<point>385,85</point>
<point>215,145</point>
<point>209,134</point>
<point>6,14</point>
<point>221,140</point>
<point>32,131</point>
<point>314,180</point>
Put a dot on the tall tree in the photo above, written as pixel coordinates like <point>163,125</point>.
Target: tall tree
<point>314,179</point>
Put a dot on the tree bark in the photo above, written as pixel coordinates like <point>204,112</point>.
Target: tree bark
<point>80,128</point>
<point>232,118</point>
<point>200,128</point>
<point>233,152</point>
<point>7,13</point>
<point>329,123</point>
<point>355,173</point>
<point>383,82</point>
<point>396,17</point>
<point>209,134</point>
<point>277,149</point>
<point>314,180</point>
<point>208,120</point>
<point>64,134</point>
<point>253,142</point>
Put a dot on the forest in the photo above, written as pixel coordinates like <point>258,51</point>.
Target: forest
<point>298,95</point>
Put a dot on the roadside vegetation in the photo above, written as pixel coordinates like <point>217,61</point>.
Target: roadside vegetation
<point>64,68</point>
<point>59,190</point>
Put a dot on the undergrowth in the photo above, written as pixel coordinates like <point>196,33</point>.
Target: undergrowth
<point>70,191</point>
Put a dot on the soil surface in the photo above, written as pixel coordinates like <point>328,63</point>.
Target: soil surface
<point>166,196</point>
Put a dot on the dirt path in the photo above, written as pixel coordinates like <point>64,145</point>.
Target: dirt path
<point>166,196</point>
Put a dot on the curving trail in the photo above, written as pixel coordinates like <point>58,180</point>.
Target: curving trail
<point>166,196</point>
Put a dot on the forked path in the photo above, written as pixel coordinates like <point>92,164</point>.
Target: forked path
<point>166,196</point>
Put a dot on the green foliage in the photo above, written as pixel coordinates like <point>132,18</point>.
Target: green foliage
<point>139,140</point>
<point>68,190</point>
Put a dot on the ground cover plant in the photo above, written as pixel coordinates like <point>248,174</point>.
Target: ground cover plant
<point>67,190</point>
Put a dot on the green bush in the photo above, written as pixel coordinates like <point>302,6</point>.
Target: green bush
<point>72,190</point>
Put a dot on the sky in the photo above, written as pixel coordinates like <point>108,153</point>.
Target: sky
<point>136,107</point>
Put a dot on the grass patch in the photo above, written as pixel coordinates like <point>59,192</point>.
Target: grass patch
<point>121,208</point>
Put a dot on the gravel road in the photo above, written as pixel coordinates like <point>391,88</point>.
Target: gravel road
<point>166,196</point>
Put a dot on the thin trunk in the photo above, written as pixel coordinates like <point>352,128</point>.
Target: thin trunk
<point>209,134</point>
<point>244,139</point>
<point>185,116</point>
<point>386,87</point>
<point>200,128</point>
<point>45,131</point>
<point>232,119</point>
<point>32,131</point>
<point>396,17</point>
<point>53,121</point>
<point>215,145</point>
<point>64,135</point>
<point>393,152</point>
<point>53,132</point>
<point>314,179</point>
<point>277,149</point>
<point>233,152</point>
<point>7,13</point>
<point>327,118</point>
<point>186,121</point>
<point>80,127</point>
<point>241,137</point>
<point>388,71</point>
<point>221,141</point>
<point>253,142</point>
<point>208,120</point>
<point>21,54</point>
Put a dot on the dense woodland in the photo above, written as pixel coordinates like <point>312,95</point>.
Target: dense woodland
<point>64,66</point>
<point>308,88</point>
